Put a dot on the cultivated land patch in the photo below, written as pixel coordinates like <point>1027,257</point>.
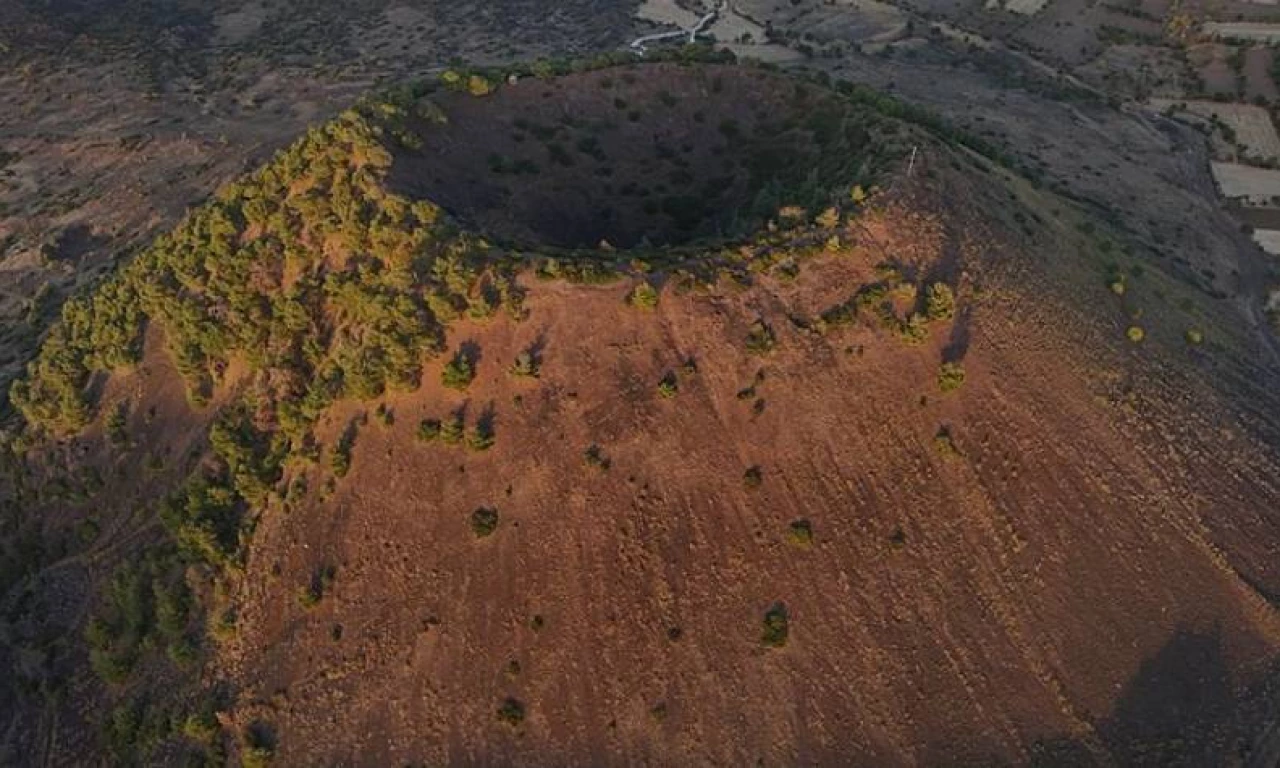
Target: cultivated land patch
<point>1259,82</point>
<point>1243,30</point>
<point>660,154</point>
<point>1022,7</point>
<point>1251,125</point>
<point>1268,240</point>
<point>1212,65</point>
<point>1249,184</point>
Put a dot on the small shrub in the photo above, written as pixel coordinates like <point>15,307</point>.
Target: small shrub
<point>511,712</point>
<point>760,338</point>
<point>594,457</point>
<point>451,431</point>
<point>482,437</point>
<point>477,85</point>
<point>939,302</point>
<point>889,274</point>
<point>525,365</point>
<point>311,595</point>
<point>753,478</point>
<point>1136,334</point>
<point>828,219</point>
<point>944,445</point>
<point>643,296</point>
<point>950,377</point>
<point>1195,336</point>
<point>458,373</point>
<point>800,534</point>
<point>484,521</point>
<point>669,386</point>
<point>776,627</point>
<point>429,430</point>
<point>257,756</point>
<point>340,459</point>
<point>384,415</point>
<point>116,425</point>
<point>914,329</point>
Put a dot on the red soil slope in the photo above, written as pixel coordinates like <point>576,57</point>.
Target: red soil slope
<point>1083,582</point>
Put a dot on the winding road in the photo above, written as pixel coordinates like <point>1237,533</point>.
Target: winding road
<point>638,45</point>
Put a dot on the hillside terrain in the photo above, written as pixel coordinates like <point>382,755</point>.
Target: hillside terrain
<point>458,433</point>
<point>905,397</point>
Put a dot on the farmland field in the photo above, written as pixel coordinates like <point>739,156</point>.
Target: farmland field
<point>1268,240</point>
<point>1252,124</point>
<point>1246,182</point>
<point>1261,31</point>
<point>1023,7</point>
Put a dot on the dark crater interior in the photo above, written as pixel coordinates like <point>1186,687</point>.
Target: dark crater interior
<point>652,154</point>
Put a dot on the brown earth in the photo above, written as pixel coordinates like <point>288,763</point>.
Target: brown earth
<point>1085,583</point>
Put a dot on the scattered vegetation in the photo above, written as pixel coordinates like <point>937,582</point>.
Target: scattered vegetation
<point>526,365</point>
<point>1117,283</point>
<point>1136,334</point>
<point>950,377</point>
<point>800,534</point>
<point>511,712</point>
<point>146,605</point>
<point>940,302</point>
<point>116,425</point>
<point>326,188</point>
<point>482,436</point>
<point>311,595</point>
<point>944,444</point>
<point>258,747</point>
<point>484,521</point>
<point>595,458</point>
<point>644,296</point>
<point>452,429</point>
<point>753,478</point>
<point>776,627</point>
<point>760,338</point>
<point>340,459</point>
<point>458,372</point>
<point>668,386</point>
<point>429,430</point>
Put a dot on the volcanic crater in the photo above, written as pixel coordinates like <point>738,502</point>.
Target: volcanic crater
<point>627,157</point>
